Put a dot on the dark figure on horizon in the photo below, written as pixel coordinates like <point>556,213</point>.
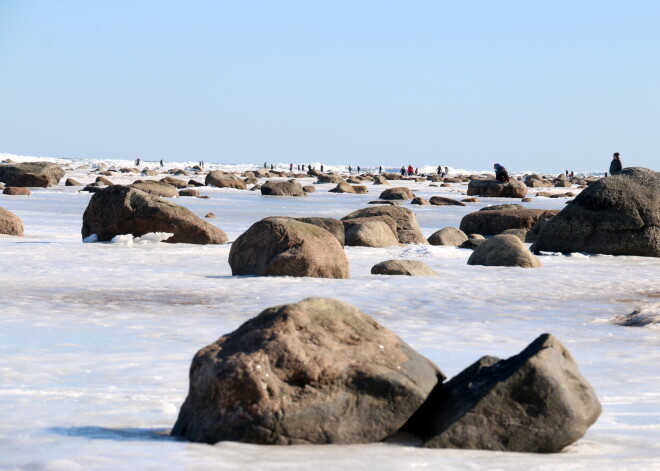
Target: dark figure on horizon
<point>264,164</point>
<point>439,170</point>
<point>161,162</point>
<point>403,171</point>
<point>290,167</point>
<point>501,175</point>
<point>321,168</point>
<point>380,169</point>
<point>358,169</point>
<point>137,162</point>
<point>350,169</point>
<point>309,167</point>
<point>615,166</point>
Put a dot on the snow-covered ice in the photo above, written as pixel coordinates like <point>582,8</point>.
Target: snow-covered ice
<point>96,338</point>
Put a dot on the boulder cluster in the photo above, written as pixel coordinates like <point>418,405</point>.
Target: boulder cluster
<point>322,372</point>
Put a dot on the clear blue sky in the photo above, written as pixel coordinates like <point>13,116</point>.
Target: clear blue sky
<point>545,85</point>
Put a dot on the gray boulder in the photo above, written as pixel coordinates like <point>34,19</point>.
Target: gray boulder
<point>407,228</point>
<point>225,180</point>
<point>371,232</point>
<point>442,201</point>
<point>31,174</point>
<point>617,215</point>
<point>10,224</point>
<point>500,207</point>
<point>448,236</point>
<point>119,209</point>
<point>157,188</point>
<point>534,402</point>
<point>282,188</point>
<point>316,372</point>
<point>279,246</point>
<point>496,189</point>
<point>503,250</point>
<point>333,226</point>
<point>403,267</point>
<point>72,182</point>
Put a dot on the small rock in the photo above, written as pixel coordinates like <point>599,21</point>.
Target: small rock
<point>403,267</point>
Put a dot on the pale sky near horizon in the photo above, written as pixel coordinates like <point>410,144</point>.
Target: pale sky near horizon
<point>546,86</point>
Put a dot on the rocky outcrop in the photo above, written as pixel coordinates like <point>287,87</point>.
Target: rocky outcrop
<point>617,215</point>
<point>119,209</point>
<point>279,246</point>
<point>282,188</point>
<point>31,174</point>
<point>316,372</point>
<point>496,189</point>
<point>448,236</point>
<point>535,402</point>
<point>407,228</point>
<point>403,267</point>
<point>496,221</point>
<point>225,180</point>
<point>503,250</point>
<point>10,224</point>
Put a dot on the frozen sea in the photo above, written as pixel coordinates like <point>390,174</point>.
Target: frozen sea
<point>96,338</point>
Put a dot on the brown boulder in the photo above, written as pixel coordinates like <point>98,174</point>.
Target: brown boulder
<point>407,228</point>
<point>497,189</point>
<point>442,201</point>
<point>378,231</point>
<point>119,209</point>
<point>10,224</point>
<point>403,267</point>
<point>397,193</point>
<point>282,188</point>
<point>496,221</point>
<point>316,372</point>
<point>278,246</point>
<point>31,174</point>
<point>156,188</point>
<point>448,236</point>
<point>503,250</point>
<point>16,191</point>
<point>225,180</point>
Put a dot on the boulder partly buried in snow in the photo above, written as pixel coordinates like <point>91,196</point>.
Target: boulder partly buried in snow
<point>535,402</point>
<point>157,188</point>
<point>118,210</point>
<point>10,224</point>
<point>493,222</point>
<point>282,188</point>
<point>504,250</point>
<point>397,193</point>
<point>371,232</point>
<point>403,267</point>
<point>35,174</point>
<point>316,372</point>
<point>279,246</point>
<point>617,215</point>
<point>225,180</point>
<point>448,236</point>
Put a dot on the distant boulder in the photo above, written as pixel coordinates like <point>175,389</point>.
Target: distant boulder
<point>225,180</point>
<point>403,267</point>
<point>420,201</point>
<point>157,188</point>
<point>617,215</point>
<point>496,221</point>
<point>279,246</point>
<point>72,182</point>
<point>119,209</point>
<point>176,182</point>
<point>497,189</point>
<point>31,174</point>
<point>502,207</point>
<point>473,241</point>
<point>442,201</point>
<point>380,180</point>
<point>407,228</point>
<point>330,178</point>
<point>503,250</point>
<point>316,372</point>
<point>448,236</point>
<point>10,224</point>
<point>103,180</point>
<point>309,189</point>
<point>342,187</point>
<point>189,192</point>
<point>282,188</point>
<point>534,402</point>
<point>397,193</point>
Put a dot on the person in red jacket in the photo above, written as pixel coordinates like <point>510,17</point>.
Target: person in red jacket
<point>410,170</point>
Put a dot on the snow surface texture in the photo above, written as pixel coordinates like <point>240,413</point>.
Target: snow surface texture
<point>96,339</point>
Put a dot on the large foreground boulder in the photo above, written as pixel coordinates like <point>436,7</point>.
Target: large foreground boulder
<point>279,246</point>
<point>407,228</point>
<point>225,180</point>
<point>282,188</point>
<point>504,250</point>
<point>536,401</point>
<point>617,215</point>
<point>35,174</point>
<point>493,222</point>
<point>403,267</point>
<point>316,372</point>
<point>119,209</point>
<point>497,189</point>
<point>10,224</point>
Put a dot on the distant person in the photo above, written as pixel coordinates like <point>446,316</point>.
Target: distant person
<point>410,170</point>
<point>309,167</point>
<point>439,170</point>
<point>264,164</point>
<point>566,172</point>
<point>606,174</point>
<point>299,167</point>
<point>403,171</point>
<point>358,169</point>
<point>615,166</point>
<point>446,171</point>
<point>350,169</point>
<point>161,162</point>
<point>416,170</point>
<point>321,168</point>
<point>271,166</point>
<point>290,167</point>
<point>380,169</point>
<point>572,174</point>
<point>501,174</point>
<point>137,162</point>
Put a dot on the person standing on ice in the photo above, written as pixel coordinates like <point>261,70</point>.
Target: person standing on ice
<point>290,167</point>
<point>501,175</point>
<point>321,168</point>
<point>380,169</point>
<point>403,171</point>
<point>350,169</point>
<point>615,166</point>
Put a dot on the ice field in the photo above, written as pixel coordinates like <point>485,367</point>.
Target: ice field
<point>96,338</point>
